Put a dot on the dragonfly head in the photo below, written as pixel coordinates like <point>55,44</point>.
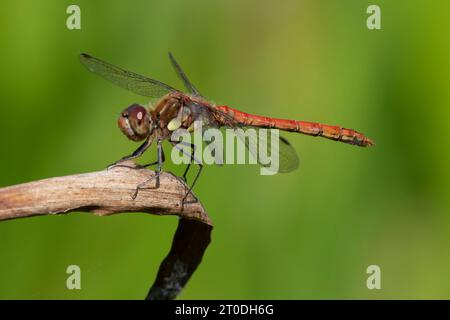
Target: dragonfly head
<point>135,122</point>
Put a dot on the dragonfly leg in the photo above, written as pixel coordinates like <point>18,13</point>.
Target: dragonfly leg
<point>186,171</point>
<point>161,159</point>
<point>190,155</point>
<point>200,168</point>
<point>137,153</point>
<point>193,159</point>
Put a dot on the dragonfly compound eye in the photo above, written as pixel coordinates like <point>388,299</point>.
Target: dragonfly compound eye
<point>134,122</point>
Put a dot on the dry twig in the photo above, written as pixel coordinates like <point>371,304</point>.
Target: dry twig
<point>110,191</point>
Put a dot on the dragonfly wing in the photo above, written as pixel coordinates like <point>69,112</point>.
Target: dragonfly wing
<point>261,140</point>
<point>263,147</point>
<point>289,160</point>
<point>189,86</point>
<point>126,79</point>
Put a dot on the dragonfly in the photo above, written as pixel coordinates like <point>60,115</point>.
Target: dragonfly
<point>175,109</point>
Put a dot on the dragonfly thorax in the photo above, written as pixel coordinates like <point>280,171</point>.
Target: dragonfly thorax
<point>135,122</point>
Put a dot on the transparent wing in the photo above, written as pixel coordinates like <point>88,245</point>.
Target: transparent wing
<point>189,86</point>
<point>289,157</point>
<point>126,79</point>
<point>264,145</point>
<point>269,150</point>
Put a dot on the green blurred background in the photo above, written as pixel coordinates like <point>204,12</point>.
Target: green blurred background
<point>308,234</point>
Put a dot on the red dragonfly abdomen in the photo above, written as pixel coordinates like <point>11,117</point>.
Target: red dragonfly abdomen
<point>336,133</point>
